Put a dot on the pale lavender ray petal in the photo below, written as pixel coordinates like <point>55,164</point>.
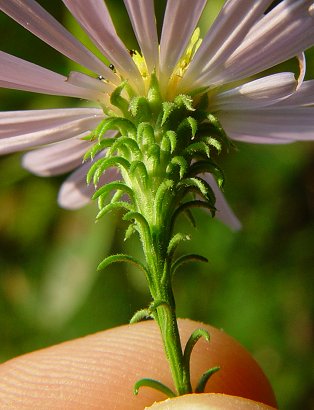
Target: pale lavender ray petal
<point>37,20</point>
<point>302,97</point>
<point>224,212</point>
<point>13,123</point>
<point>48,135</point>
<point>258,93</point>
<point>56,159</point>
<point>282,34</point>
<point>231,26</point>
<point>287,123</point>
<point>142,16</point>
<point>16,73</point>
<point>95,19</point>
<point>59,158</point>
<point>253,139</point>
<point>85,81</point>
<point>179,23</point>
<point>75,193</point>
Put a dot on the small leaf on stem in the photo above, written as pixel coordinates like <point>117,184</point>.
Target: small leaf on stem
<point>154,384</point>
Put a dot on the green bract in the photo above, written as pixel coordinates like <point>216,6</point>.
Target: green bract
<point>161,149</point>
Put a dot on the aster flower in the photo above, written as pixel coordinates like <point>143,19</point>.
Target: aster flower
<point>171,102</point>
<point>241,42</point>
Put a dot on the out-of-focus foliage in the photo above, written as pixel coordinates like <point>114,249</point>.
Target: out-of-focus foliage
<point>257,284</point>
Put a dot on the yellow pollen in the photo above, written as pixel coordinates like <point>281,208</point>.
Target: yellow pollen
<point>140,62</point>
<point>185,60</point>
<point>178,72</point>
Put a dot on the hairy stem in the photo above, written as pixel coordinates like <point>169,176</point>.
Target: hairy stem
<point>162,151</point>
<point>167,322</point>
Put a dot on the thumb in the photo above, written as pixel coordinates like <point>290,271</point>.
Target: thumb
<point>210,401</point>
<point>99,371</point>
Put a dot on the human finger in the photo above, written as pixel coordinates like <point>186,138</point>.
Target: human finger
<point>99,371</point>
<point>209,401</point>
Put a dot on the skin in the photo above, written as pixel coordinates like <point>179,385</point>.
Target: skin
<point>99,371</point>
<point>209,402</point>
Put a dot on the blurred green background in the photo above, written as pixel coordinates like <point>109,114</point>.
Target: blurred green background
<point>257,286</point>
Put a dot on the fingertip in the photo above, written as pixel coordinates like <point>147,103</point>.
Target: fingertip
<point>209,401</point>
<point>239,373</point>
<point>100,370</point>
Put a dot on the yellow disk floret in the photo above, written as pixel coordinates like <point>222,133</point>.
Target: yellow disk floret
<point>178,72</point>
<point>184,62</point>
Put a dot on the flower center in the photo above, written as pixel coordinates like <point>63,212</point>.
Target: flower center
<point>178,72</point>
<point>186,58</point>
<point>140,62</point>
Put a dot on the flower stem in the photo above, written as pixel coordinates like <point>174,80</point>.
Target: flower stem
<point>164,309</point>
<point>167,321</point>
<point>161,149</point>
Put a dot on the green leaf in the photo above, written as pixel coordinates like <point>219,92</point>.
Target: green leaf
<point>212,142</point>
<point>115,185</point>
<point>93,169</point>
<point>183,100</point>
<point>161,196</point>
<point>106,163</point>
<point>101,128</point>
<point>165,145</point>
<point>193,125</point>
<point>180,162</point>
<point>146,135</point>
<point>186,259</point>
<point>118,101</point>
<point>120,257</point>
<point>138,170</point>
<point>199,185</point>
<point>113,206</point>
<point>98,167</point>
<point>144,229</point>
<point>191,204</point>
<point>187,129</point>
<point>175,241</point>
<point>167,107</point>
<point>140,315</point>
<point>104,126</point>
<point>129,232</point>
<point>193,339</point>
<point>145,313</point>
<point>196,203</point>
<point>96,148</point>
<point>154,384</point>
<point>159,302</point>
<point>117,196</point>
<point>123,125</point>
<point>126,142</point>
<point>139,107</point>
<point>204,379</point>
<point>197,148</point>
<point>207,166</point>
<point>213,120</point>
<point>154,155</point>
<point>169,141</point>
<point>154,96</point>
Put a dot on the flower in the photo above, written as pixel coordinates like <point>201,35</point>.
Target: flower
<point>244,40</point>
